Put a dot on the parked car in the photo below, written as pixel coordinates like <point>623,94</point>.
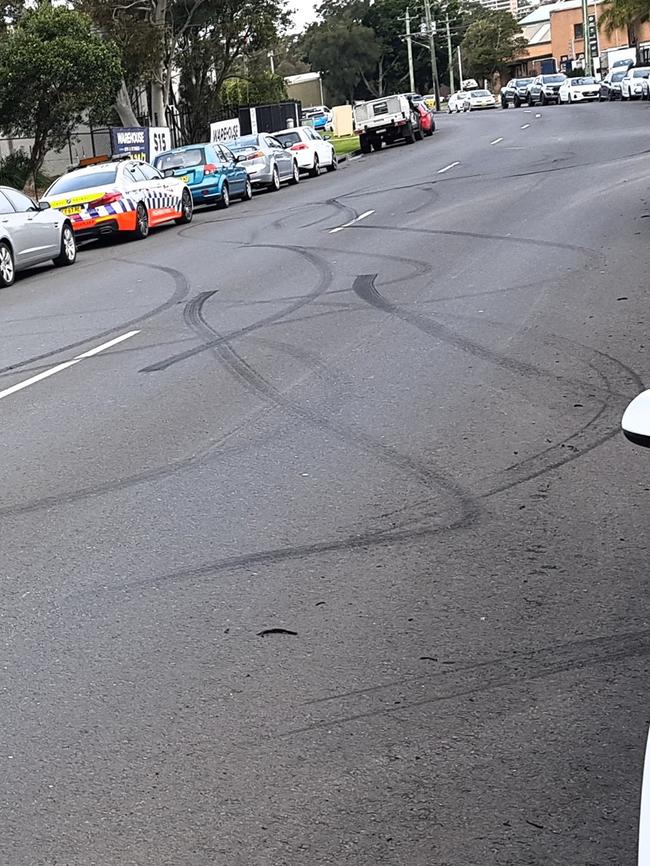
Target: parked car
<point>319,116</point>
<point>545,89</point>
<point>31,234</point>
<point>427,121</point>
<point>610,86</point>
<point>266,161</point>
<point>311,150</point>
<point>211,171</point>
<point>480,99</point>
<point>458,102</point>
<point>634,84</point>
<point>515,92</point>
<point>584,89</point>
<point>126,196</point>
<point>624,63</point>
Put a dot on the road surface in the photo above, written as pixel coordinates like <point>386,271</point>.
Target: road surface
<point>326,548</point>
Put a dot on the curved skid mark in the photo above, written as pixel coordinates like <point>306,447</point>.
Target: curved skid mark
<point>180,293</point>
<point>326,277</point>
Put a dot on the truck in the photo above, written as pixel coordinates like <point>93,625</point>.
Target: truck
<point>621,58</point>
<point>384,121</point>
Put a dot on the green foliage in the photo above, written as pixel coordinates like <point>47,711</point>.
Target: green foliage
<point>16,171</point>
<point>54,74</point>
<point>490,41</point>
<point>624,14</point>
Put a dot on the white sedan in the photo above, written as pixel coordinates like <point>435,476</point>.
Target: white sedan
<point>481,99</point>
<point>584,89</point>
<point>458,101</point>
<point>634,84</point>
<point>310,149</point>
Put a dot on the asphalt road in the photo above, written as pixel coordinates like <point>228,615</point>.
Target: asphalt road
<point>398,442</point>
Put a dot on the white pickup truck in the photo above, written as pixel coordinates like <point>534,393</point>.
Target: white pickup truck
<point>385,120</point>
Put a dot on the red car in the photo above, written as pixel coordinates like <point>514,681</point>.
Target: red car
<point>427,123</point>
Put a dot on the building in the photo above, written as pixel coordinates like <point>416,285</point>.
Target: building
<point>502,6</point>
<point>556,42</point>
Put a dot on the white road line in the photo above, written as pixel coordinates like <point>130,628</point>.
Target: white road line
<point>538,115</point>
<point>64,366</point>
<point>447,167</point>
<point>496,141</point>
<point>363,216</point>
<point>525,126</point>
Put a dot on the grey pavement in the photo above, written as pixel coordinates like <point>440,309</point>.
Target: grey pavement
<point>341,558</point>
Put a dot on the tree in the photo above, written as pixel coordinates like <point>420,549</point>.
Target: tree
<point>55,73</point>
<point>624,15</point>
<point>490,42</point>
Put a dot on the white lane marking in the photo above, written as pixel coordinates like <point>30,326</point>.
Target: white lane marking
<point>496,141</point>
<point>528,110</point>
<point>538,115</point>
<point>644,817</point>
<point>64,366</point>
<point>447,167</point>
<point>525,126</point>
<point>363,216</point>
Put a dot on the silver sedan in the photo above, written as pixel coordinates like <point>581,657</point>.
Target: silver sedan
<point>267,162</point>
<point>31,234</point>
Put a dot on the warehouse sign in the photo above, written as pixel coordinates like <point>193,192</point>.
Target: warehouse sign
<point>224,130</point>
<point>140,142</point>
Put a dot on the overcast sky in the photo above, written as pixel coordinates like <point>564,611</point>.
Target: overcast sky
<point>304,13</point>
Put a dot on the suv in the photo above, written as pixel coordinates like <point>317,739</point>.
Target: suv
<point>515,92</point>
<point>545,89</point>
<point>634,84</point>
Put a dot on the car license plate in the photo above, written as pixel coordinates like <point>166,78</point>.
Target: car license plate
<point>71,210</point>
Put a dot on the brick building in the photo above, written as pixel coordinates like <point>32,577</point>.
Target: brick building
<point>554,33</point>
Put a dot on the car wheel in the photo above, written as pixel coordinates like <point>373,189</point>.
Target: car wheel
<point>542,98</point>
<point>333,166</point>
<point>274,186</point>
<point>7,268</point>
<point>187,208</point>
<point>314,171</point>
<point>377,145</point>
<point>516,102</point>
<point>504,102</point>
<point>68,253</point>
<point>247,195</point>
<point>224,200</point>
<point>295,174</point>
<point>419,134</point>
<point>141,223</point>
<point>409,138</point>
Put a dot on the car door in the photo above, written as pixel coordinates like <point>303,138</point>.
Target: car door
<point>160,194</point>
<point>283,158</point>
<point>323,148</point>
<point>37,230</point>
<point>235,175</point>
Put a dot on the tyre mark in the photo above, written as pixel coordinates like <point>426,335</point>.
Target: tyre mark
<point>326,278</point>
<point>256,382</point>
<point>180,293</point>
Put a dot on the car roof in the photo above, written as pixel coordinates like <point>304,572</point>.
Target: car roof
<point>290,129</point>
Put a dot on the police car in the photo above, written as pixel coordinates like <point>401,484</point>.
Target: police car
<point>127,196</point>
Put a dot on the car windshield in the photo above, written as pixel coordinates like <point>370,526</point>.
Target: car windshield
<point>618,76</point>
<point>83,180</point>
<point>553,79</point>
<point>479,93</point>
<point>640,73</point>
<point>522,82</point>
<point>286,138</point>
<point>578,81</point>
<point>181,159</point>
<point>240,145</point>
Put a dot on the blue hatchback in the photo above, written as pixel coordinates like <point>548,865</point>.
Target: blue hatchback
<point>210,170</point>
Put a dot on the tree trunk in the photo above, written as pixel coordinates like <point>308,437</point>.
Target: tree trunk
<point>161,84</point>
<point>123,107</point>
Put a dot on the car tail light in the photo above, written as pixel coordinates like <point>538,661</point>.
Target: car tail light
<point>257,154</point>
<point>107,198</point>
<point>300,146</point>
<point>210,169</point>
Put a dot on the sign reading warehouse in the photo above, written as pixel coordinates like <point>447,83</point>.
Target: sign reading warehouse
<point>224,130</point>
<point>140,142</point>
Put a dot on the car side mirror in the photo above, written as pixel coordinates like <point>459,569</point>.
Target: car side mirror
<point>44,205</point>
<point>636,420</point>
<point>168,172</point>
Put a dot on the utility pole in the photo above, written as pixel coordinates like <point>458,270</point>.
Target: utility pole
<point>432,50</point>
<point>585,36</point>
<point>450,54</point>
<point>409,48</point>
<point>460,68</point>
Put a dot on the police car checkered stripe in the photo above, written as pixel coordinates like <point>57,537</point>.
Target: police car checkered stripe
<point>163,200</point>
